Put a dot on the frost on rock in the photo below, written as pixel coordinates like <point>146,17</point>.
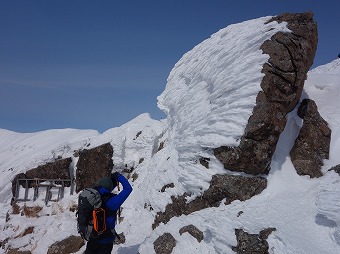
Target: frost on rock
<point>291,56</point>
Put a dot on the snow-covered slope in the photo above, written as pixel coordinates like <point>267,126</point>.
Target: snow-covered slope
<point>205,108</point>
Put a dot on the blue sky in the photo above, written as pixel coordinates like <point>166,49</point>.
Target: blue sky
<point>98,64</point>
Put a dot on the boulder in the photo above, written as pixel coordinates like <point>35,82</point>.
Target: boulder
<point>252,243</point>
<point>69,245</point>
<point>312,145</point>
<point>291,56</point>
<point>92,165</point>
<point>194,231</point>
<point>164,244</point>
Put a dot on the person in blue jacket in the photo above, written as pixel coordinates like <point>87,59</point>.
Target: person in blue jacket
<point>111,203</point>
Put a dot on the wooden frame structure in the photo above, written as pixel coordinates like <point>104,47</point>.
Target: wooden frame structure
<point>38,183</point>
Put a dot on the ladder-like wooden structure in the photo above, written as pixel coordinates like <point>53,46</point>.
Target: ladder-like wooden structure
<point>38,183</point>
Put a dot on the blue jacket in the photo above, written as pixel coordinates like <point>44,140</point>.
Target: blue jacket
<point>114,203</point>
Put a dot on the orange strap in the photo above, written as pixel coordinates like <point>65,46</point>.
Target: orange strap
<point>99,220</point>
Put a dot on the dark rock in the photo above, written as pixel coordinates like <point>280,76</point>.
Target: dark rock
<point>221,187</point>
<point>170,185</point>
<point>120,240</point>
<point>59,169</point>
<point>69,245</point>
<point>134,177</point>
<point>164,244</point>
<point>336,169</point>
<point>252,243</point>
<point>3,243</point>
<point>161,146</point>
<point>233,188</point>
<point>291,56</point>
<point>204,162</point>
<point>194,231</point>
<point>312,145</point>
<point>137,135</point>
<point>92,165</point>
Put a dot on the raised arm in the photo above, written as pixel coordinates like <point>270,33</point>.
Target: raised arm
<point>116,201</point>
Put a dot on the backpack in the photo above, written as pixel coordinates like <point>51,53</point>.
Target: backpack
<point>91,214</point>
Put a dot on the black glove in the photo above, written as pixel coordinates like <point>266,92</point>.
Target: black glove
<point>114,177</point>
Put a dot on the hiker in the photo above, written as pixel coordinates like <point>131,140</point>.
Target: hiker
<point>104,243</point>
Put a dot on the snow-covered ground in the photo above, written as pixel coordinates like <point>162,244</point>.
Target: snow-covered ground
<point>208,99</point>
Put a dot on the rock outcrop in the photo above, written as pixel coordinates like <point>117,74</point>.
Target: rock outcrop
<point>59,169</point>
<point>252,243</point>
<point>221,187</point>
<point>164,244</point>
<point>93,164</point>
<point>312,145</point>
<point>291,56</point>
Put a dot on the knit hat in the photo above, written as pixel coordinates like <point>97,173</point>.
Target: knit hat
<point>106,182</point>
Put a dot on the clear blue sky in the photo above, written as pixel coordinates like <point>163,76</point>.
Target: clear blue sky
<point>98,64</point>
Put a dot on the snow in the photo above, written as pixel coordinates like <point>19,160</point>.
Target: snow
<point>208,99</point>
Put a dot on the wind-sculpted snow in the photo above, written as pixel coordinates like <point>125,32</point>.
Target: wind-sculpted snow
<point>211,91</point>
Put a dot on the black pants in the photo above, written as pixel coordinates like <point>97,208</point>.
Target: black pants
<point>93,247</point>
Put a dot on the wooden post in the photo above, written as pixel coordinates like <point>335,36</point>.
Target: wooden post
<point>26,190</point>
<point>36,190</point>
<point>47,196</point>
<point>17,189</point>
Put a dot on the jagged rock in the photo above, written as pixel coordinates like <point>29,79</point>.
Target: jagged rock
<point>92,165</point>
<point>164,244</point>
<point>233,188</point>
<point>291,56</point>
<point>221,187</point>
<point>194,231</point>
<point>252,243</point>
<point>336,169</point>
<point>312,145</point>
<point>69,245</point>
<point>59,169</point>
<point>204,162</point>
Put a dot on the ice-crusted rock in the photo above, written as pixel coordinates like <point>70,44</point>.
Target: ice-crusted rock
<point>291,56</point>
